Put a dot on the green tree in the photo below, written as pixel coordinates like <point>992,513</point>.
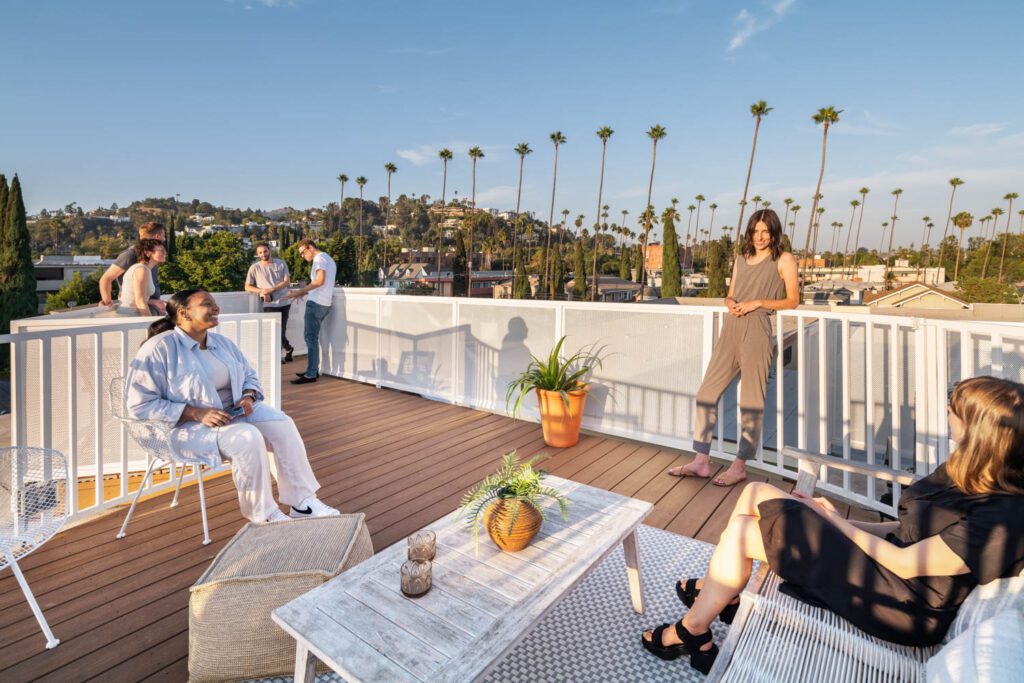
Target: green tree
<point>604,132</point>
<point>624,263</point>
<point>655,133</point>
<point>361,182</point>
<point>390,168</point>
<point>17,275</point>
<point>987,291</point>
<point>4,193</point>
<point>343,251</point>
<point>445,155</point>
<point>342,179</point>
<point>217,263</point>
<point>953,183</point>
<point>716,267</point>
<point>579,267</point>
<point>522,149</point>
<point>460,272</point>
<point>75,292</point>
<point>671,275</point>
<point>172,247</point>
<point>557,139</point>
<point>521,281</point>
<point>1010,196</point>
<point>758,110</point>
<point>962,221</point>
<point>826,116</point>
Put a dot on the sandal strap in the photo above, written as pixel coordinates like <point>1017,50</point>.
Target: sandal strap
<point>691,586</point>
<point>657,633</point>
<point>693,641</point>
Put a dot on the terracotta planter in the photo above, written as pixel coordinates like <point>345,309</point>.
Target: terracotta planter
<point>561,423</point>
<point>527,523</point>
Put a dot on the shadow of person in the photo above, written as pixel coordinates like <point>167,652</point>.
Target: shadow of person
<point>514,356</point>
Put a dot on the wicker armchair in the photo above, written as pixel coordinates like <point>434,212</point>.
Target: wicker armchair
<point>33,507</point>
<point>153,436</point>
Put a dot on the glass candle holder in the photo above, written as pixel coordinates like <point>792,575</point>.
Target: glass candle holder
<point>417,577</point>
<point>422,545</point>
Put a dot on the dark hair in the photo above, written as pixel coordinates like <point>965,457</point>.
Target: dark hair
<point>771,219</point>
<point>145,247</point>
<point>176,303</point>
<point>305,242</point>
<point>150,229</point>
<point>261,244</point>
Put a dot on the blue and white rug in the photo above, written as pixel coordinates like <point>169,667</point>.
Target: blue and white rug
<point>594,634</point>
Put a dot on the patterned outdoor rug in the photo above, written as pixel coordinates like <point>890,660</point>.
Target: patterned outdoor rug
<point>594,634</point>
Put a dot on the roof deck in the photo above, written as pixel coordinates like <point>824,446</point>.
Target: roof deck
<point>120,608</point>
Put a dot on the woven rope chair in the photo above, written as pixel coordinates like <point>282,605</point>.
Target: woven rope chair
<point>33,507</point>
<point>153,437</point>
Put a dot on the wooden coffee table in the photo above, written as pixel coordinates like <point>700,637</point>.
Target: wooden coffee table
<point>482,603</point>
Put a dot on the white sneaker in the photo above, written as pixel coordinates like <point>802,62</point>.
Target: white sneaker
<point>312,507</point>
<point>278,516</point>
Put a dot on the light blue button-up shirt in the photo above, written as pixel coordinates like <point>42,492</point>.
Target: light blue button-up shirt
<point>167,374</point>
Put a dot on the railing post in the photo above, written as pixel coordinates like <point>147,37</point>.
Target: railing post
<point>122,430</point>
<point>456,394</point>
<point>72,482</point>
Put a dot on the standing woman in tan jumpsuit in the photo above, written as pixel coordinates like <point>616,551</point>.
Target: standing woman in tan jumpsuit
<point>764,280</point>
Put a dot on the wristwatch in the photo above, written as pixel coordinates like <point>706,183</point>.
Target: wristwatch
<point>249,393</point>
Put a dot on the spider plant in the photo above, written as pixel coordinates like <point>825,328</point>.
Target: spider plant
<point>514,481</point>
<point>552,374</point>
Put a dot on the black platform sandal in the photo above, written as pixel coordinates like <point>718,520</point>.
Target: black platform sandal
<point>701,660</point>
<point>688,595</point>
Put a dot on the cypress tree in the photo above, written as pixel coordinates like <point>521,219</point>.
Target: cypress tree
<point>715,271</point>
<point>624,263</point>
<point>638,259</point>
<point>3,204</point>
<point>579,266</point>
<point>671,276</point>
<point>17,275</point>
<point>557,274</point>
<point>460,275</point>
<point>521,288</point>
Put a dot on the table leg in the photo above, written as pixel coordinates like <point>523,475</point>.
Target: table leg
<point>636,586</point>
<point>305,664</point>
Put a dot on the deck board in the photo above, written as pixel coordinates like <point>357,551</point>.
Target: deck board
<point>120,608</point>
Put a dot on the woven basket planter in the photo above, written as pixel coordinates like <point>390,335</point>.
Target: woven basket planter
<point>498,516</point>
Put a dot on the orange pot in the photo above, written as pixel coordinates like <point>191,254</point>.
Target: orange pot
<point>500,514</point>
<point>561,423</point>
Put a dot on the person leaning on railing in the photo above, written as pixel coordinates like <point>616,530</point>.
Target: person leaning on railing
<point>125,260</point>
<point>903,581</point>
<point>138,290</point>
<point>200,381</point>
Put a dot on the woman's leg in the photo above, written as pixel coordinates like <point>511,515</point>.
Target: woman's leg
<point>728,573</point>
<point>295,479</point>
<point>721,372</point>
<point>243,444</point>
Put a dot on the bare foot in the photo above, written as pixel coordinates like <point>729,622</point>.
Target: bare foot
<point>699,467</point>
<point>736,473</point>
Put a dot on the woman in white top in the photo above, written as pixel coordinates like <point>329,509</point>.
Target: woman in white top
<point>200,382</point>
<point>137,286</point>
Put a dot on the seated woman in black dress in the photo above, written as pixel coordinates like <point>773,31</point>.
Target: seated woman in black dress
<point>961,526</point>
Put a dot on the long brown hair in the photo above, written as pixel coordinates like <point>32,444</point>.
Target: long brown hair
<point>990,458</point>
<point>771,219</point>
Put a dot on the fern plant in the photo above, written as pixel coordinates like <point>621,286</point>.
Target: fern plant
<point>552,374</point>
<point>514,481</point>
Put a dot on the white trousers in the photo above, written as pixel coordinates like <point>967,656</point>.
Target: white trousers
<point>245,444</point>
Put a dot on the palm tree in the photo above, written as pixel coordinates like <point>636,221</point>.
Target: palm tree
<point>787,201</point>
<point>954,183</point>
<point>361,182</point>
<point>604,132</point>
<point>758,110</point>
<point>826,116</point>
<point>655,133</point>
<point>445,155</point>
<point>700,199</point>
<point>846,249</point>
<point>895,193</point>
<point>342,178</point>
<point>817,224</point>
<point>757,201</point>
<point>390,168</point>
<point>924,244</point>
<point>556,139</point>
<point>712,206</point>
<point>475,153</point>
<point>689,220</point>
<point>860,221</point>
<point>522,149</point>
<point>1009,197</point>
<point>792,236</point>
<point>996,213</point>
<point>962,221</point>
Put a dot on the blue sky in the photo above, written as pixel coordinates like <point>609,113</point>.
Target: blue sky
<point>262,103</point>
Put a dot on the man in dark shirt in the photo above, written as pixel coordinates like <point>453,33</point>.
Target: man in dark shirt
<point>125,260</point>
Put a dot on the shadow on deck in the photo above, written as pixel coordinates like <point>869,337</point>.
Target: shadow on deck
<point>120,608</point>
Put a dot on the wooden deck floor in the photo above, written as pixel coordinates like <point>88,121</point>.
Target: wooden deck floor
<point>120,608</point>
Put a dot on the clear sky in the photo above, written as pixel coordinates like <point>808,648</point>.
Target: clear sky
<point>262,103</point>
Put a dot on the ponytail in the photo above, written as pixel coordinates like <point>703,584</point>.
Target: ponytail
<point>177,302</point>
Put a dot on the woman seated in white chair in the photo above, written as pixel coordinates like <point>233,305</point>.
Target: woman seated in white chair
<point>200,381</point>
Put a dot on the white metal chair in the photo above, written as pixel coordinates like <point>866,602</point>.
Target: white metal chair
<point>33,507</point>
<point>153,437</point>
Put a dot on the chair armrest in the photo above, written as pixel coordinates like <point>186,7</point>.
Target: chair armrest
<point>811,463</point>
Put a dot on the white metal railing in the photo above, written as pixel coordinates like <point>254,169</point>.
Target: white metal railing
<point>854,386</point>
<point>60,370</point>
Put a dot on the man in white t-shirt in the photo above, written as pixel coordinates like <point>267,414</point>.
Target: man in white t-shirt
<point>319,293</point>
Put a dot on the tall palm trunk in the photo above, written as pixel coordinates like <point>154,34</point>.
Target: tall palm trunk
<point>817,191</point>
<point>689,221</point>
<point>849,233</point>
<point>440,231</point>
<point>856,242</point>
<point>892,231</point>
<point>515,221</point>
<point>746,185</point>
<point>469,260</point>
<point>546,283</point>
<point>988,247</point>
<point>647,221</point>
<point>959,246</point>
<point>792,234</point>
<point>359,266</point>
<point>1006,235</point>
<point>597,228</point>
<point>949,217</point>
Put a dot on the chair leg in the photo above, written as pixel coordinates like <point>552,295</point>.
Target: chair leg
<point>135,500</point>
<point>51,642</point>
<point>177,488</point>
<point>202,505</point>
